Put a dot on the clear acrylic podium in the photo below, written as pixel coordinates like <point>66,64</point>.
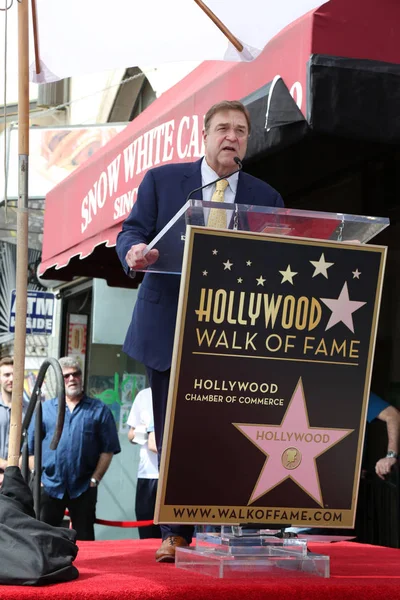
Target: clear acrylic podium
<point>238,551</point>
<point>338,227</point>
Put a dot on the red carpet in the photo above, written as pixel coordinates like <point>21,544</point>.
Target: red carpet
<point>126,570</point>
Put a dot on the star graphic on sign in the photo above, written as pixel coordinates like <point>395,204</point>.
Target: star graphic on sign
<point>342,309</point>
<point>321,266</point>
<point>260,280</point>
<point>291,448</point>
<point>248,263</point>
<point>356,274</point>
<point>288,275</point>
<point>227,265</point>
<point>205,273</point>
<point>240,280</point>
<point>215,252</point>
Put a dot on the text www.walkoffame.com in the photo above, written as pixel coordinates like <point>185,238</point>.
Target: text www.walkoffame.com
<point>258,514</point>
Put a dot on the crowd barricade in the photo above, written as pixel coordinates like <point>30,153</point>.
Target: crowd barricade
<point>109,523</point>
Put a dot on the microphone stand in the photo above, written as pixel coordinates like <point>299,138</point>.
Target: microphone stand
<point>240,167</point>
<point>237,160</point>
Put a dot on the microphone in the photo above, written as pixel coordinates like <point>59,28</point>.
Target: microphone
<point>237,160</point>
<point>240,167</point>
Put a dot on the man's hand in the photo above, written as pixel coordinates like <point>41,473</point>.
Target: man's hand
<point>384,466</point>
<point>136,259</point>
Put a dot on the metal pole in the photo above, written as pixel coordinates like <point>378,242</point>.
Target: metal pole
<point>223,28</point>
<point>38,458</point>
<point>22,234</point>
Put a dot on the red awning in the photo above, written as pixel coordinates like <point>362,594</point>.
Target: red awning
<point>83,214</point>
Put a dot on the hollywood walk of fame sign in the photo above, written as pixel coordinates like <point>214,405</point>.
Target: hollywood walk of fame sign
<point>270,380</point>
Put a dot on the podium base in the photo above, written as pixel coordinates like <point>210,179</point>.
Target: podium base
<point>226,555</point>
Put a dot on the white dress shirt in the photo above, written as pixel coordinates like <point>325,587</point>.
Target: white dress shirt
<point>208,175</point>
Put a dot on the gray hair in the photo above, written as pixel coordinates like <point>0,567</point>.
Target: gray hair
<point>226,105</point>
<point>69,362</point>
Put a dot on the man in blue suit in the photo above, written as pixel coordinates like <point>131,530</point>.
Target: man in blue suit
<point>161,194</point>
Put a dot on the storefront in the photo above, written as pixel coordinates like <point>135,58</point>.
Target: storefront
<point>323,97</point>
<point>324,89</point>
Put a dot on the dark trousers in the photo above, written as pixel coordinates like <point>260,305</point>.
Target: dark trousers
<point>82,511</point>
<point>145,503</point>
<point>159,382</point>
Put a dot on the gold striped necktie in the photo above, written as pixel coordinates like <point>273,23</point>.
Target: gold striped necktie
<point>217,216</point>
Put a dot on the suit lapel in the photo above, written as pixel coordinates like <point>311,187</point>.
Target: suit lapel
<point>192,180</point>
<point>244,192</point>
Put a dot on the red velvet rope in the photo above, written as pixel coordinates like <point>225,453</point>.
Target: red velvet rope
<point>120,523</point>
<point>124,523</point>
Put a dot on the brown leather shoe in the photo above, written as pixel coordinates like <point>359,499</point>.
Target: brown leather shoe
<point>166,552</point>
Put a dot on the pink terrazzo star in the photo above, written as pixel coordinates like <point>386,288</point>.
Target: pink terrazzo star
<point>291,448</point>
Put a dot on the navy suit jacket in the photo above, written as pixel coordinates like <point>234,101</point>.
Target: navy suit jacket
<point>161,194</point>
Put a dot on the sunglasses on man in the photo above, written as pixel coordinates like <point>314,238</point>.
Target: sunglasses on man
<point>73,374</point>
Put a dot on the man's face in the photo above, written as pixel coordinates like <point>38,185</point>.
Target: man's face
<point>73,382</point>
<point>6,378</point>
<point>226,138</point>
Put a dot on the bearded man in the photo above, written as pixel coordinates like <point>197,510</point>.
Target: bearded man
<point>72,473</point>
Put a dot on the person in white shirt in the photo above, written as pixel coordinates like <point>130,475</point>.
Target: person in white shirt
<point>141,431</point>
